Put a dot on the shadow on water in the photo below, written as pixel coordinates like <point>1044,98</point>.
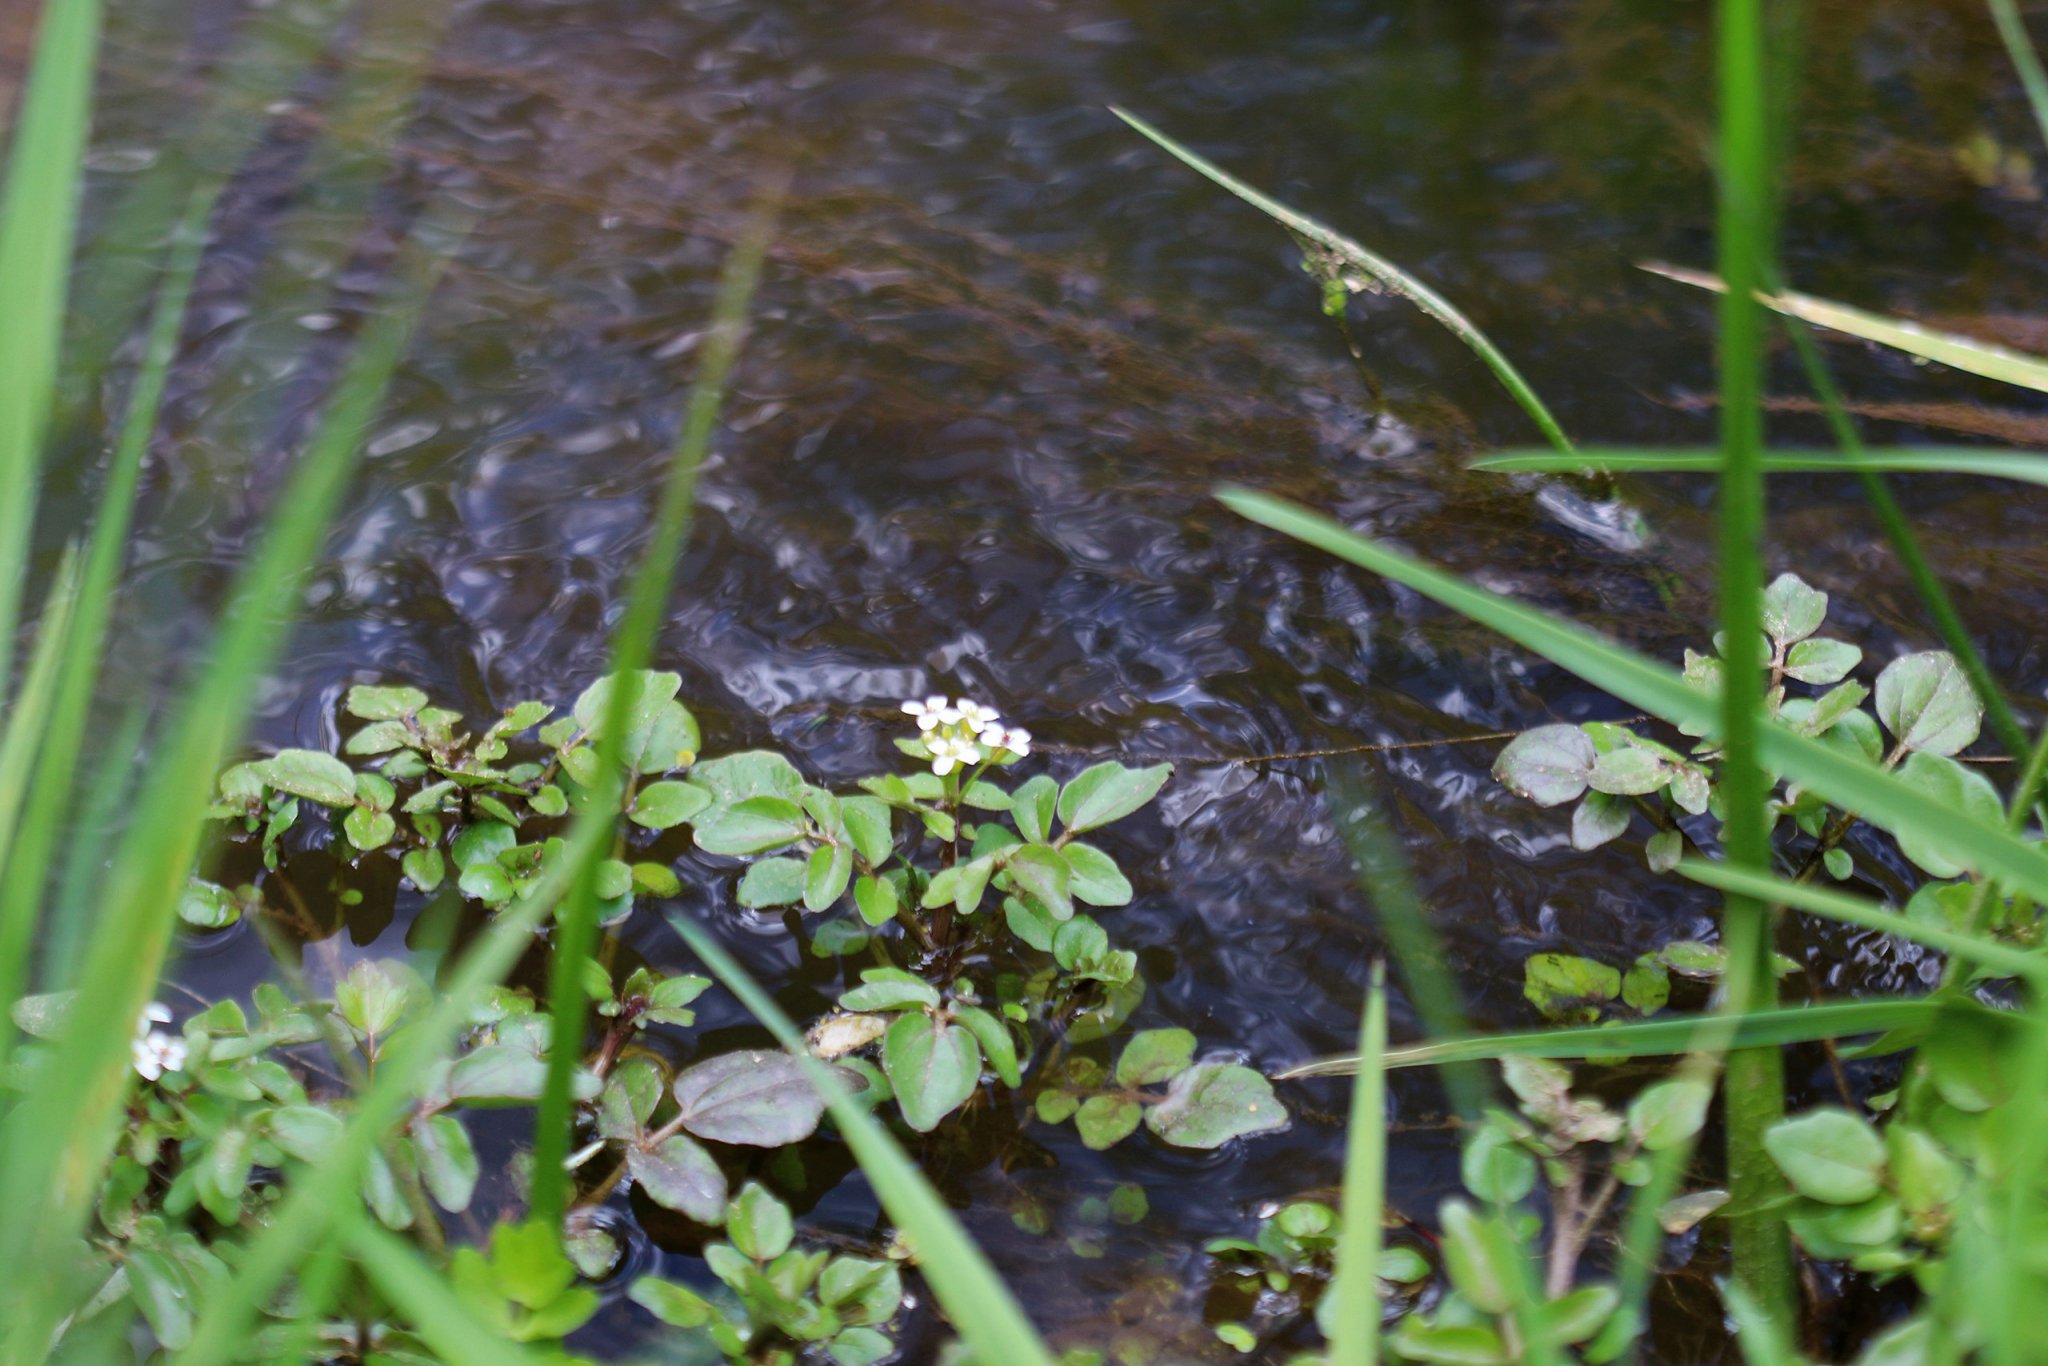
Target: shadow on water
<point>1003,352</point>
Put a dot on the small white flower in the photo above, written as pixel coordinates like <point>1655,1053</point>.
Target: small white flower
<point>953,751</point>
<point>977,716</point>
<point>155,1052</point>
<point>930,712</point>
<point>1017,741</point>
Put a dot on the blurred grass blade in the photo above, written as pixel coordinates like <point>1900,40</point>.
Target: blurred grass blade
<point>27,724</point>
<point>633,647</point>
<point>1762,1337</point>
<point>1664,1037</point>
<point>1355,1335</point>
<point>2012,31</point>
<point>1947,348</point>
<point>973,1296</point>
<point>38,221</point>
<point>1851,910</point>
<point>2030,467</point>
<point>1383,273</point>
<point>1417,950</point>
<point>119,262</point>
<point>1875,795</point>
<point>58,1138</point>
<point>24,863</point>
<point>426,1298</point>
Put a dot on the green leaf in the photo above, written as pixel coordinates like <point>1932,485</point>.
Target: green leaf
<point>933,1068</point>
<point>759,1224</point>
<point>773,882</point>
<point>1792,610</point>
<point>1094,877</point>
<point>996,1044</point>
<point>1477,1256</point>
<point>675,1305</point>
<point>752,826</point>
<point>310,774</point>
<point>1212,1103</point>
<point>890,989</point>
<point>1080,943</point>
<point>482,843</point>
<point>1630,772</point>
<point>861,1291</point>
<point>1105,1121</point>
<point>870,825</point>
<point>1031,808</point>
<point>1555,982</point>
<point>1828,1155</point>
<point>985,796</point>
<point>367,829</point>
<point>1549,765</point>
<point>1599,818</point>
<point>649,688</point>
<point>876,899</point>
<point>734,778</point>
<point>1925,700</point>
<point>376,994</point>
<point>667,804</point>
<point>1108,792</point>
<point>1664,849</point>
<point>372,703</point>
<point>1039,872</point>
<point>757,1097</point>
<point>1822,661</point>
<point>679,1175</point>
<point>1669,1113</point>
<point>656,879</point>
<point>306,1132</point>
<point>486,882</point>
<point>1646,986</point>
<point>1959,789</point>
<point>497,1074</point>
<point>448,1161</point>
<point>825,879</point>
<point>208,905</point>
<point>1494,1167</point>
<point>1155,1055</point>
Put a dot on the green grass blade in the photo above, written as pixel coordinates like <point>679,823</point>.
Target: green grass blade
<point>1355,1337</point>
<point>38,221</point>
<point>59,1136</point>
<point>1664,1037</point>
<point>1967,354</point>
<point>1417,951</point>
<point>26,861</point>
<point>1876,795</point>
<point>2012,31</point>
<point>28,720</point>
<point>973,1296</point>
<point>1823,901</point>
<point>1744,231</point>
<point>646,602</point>
<point>1382,271</point>
<point>2029,467</point>
<point>421,1292</point>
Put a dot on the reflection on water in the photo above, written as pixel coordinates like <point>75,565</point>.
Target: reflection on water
<point>1004,352</point>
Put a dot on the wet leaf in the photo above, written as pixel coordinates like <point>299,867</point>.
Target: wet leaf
<point>310,774</point>
<point>1669,1113</point>
<point>1926,702</point>
<point>1822,661</point>
<point>773,882</point>
<point>1955,787</point>
<point>1600,818</point>
<point>370,703</point>
<point>757,1097</point>
<point>1549,765</point>
<point>680,1175</point>
<point>890,989</point>
<point>826,876</point>
<point>1681,1213</point>
<point>1155,1055</point>
<point>1105,1121</point>
<point>875,898</point>
<point>933,1068</point>
<point>1031,808</point>
<point>1094,877</point>
<point>1108,792</point>
<point>1792,609</point>
<point>667,804</point>
<point>1629,772</point>
<point>759,1224</point>
<point>1212,1103</point>
<point>871,828</point>
<point>753,826</point>
<point>996,1044</point>
<point>448,1161</point>
<point>1828,1155</point>
<point>1555,982</point>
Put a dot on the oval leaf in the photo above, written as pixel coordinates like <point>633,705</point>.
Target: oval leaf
<point>757,1097</point>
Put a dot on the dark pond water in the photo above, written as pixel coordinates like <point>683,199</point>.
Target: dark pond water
<point>1003,352</point>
